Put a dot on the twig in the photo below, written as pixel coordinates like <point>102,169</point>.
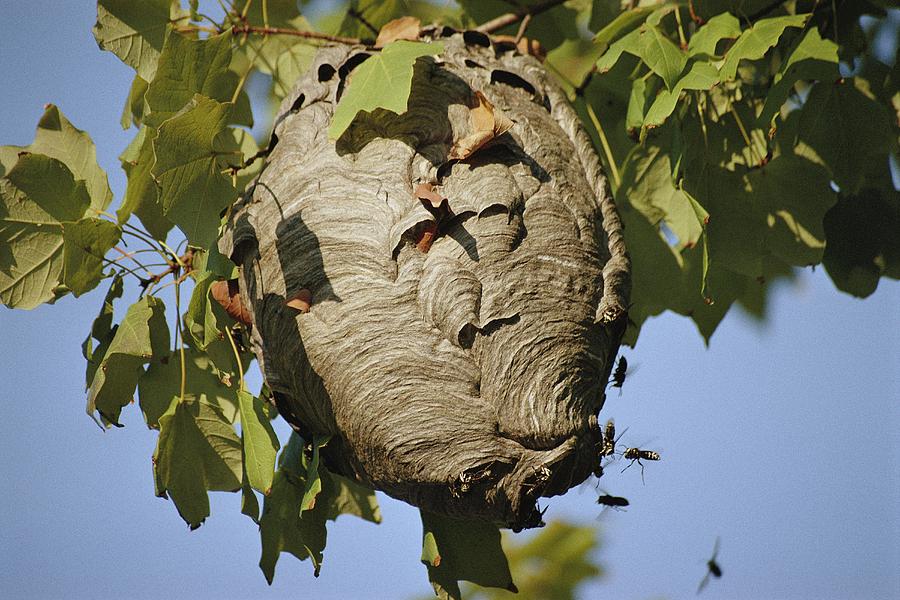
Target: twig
<point>522,27</point>
<point>185,261</point>
<point>504,20</point>
<point>313,35</point>
<point>359,17</point>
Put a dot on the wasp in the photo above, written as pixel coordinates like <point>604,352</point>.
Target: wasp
<point>637,455</point>
<point>713,568</point>
<point>607,446</point>
<point>613,501</point>
<point>618,377</point>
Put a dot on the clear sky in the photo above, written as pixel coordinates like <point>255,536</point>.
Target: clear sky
<point>783,439</point>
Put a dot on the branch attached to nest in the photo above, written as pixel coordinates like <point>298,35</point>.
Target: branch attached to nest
<point>502,21</point>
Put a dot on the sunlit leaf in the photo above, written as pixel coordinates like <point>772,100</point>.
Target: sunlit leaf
<point>622,24</point>
<point>134,31</point>
<point>102,331</point>
<point>724,26</point>
<point>192,150</point>
<point>700,76</point>
<point>382,81</point>
<point>142,335</point>
<point>85,244</point>
<point>188,67</point>
<point>142,193</point>
<point>662,55</point>
<point>197,451</point>
<point>756,41</point>
<point>259,442</point>
<point>811,59</point>
<point>161,383</point>
<point>455,550</point>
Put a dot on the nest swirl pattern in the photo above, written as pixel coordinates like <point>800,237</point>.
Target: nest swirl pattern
<point>457,355</point>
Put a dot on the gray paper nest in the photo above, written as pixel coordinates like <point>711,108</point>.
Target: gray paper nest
<point>464,378</point>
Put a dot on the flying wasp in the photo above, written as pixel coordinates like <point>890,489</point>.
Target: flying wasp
<point>637,455</point>
<point>607,446</point>
<point>713,568</point>
<point>621,371</point>
<point>616,502</point>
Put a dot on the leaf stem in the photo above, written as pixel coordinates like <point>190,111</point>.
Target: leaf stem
<point>237,357</point>
<point>605,143</point>
<point>179,338</point>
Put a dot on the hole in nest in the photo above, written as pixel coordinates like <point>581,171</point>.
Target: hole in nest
<point>298,103</point>
<point>346,68</point>
<point>476,38</point>
<point>473,65</point>
<point>511,79</point>
<point>326,72</point>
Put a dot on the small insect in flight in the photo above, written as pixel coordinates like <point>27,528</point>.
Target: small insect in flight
<point>617,502</point>
<point>636,455</point>
<point>620,373</point>
<point>713,568</point>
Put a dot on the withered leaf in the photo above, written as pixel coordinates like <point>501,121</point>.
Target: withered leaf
<point>301,301</point>
<point>404,28</point>
<point>487,124</point>
<point>228,294</point>
<point>425,192</point>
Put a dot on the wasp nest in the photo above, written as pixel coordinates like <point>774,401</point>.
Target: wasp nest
<point>442,291</point>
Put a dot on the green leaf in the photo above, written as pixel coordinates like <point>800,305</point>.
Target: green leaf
<point>249,502</point>
<point>50,184</point>
<point>382,81</point>
<point>861,241</point>
<point>191,153</point>
<point>630,43</point>
<point>284,57</point>
<point>555,561</point>
<point>661,55</point>
<point>142,335</point>
<point>204,315</point>
<point>142,193</point>
<point>794,194</point>
<point>31,250</point>
<point>647,184</point>
<point>812,58</point>
<point>313,481</point>
<point>723,26</point>
<point>134,31</point>
<point>756,41</point>
<point>282,530</point>
<point>455,550</point>
<point>197,451</point>
<point>700,76</point>
<point>162,382</point>
<point>845,130</point>
<point>624,23</point>
<point>85,244</point>
<point>57,138</point>
<point>102,330</point>
<point>259,443</point>
<point>188,67</point>
<point>133,111</point>
<point>375,12</point>
<point>348,497</point>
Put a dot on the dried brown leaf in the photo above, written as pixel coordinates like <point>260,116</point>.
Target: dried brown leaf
<point>404,28</point>
<point>425,192</point>
<point>487,123</point>
<point>301,301</point>
<point>228,294</point>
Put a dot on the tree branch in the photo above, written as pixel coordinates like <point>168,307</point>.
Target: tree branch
<point>313,35</point>
<point>502,21</point>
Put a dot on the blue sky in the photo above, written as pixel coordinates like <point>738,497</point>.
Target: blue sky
<point>781,438</point>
